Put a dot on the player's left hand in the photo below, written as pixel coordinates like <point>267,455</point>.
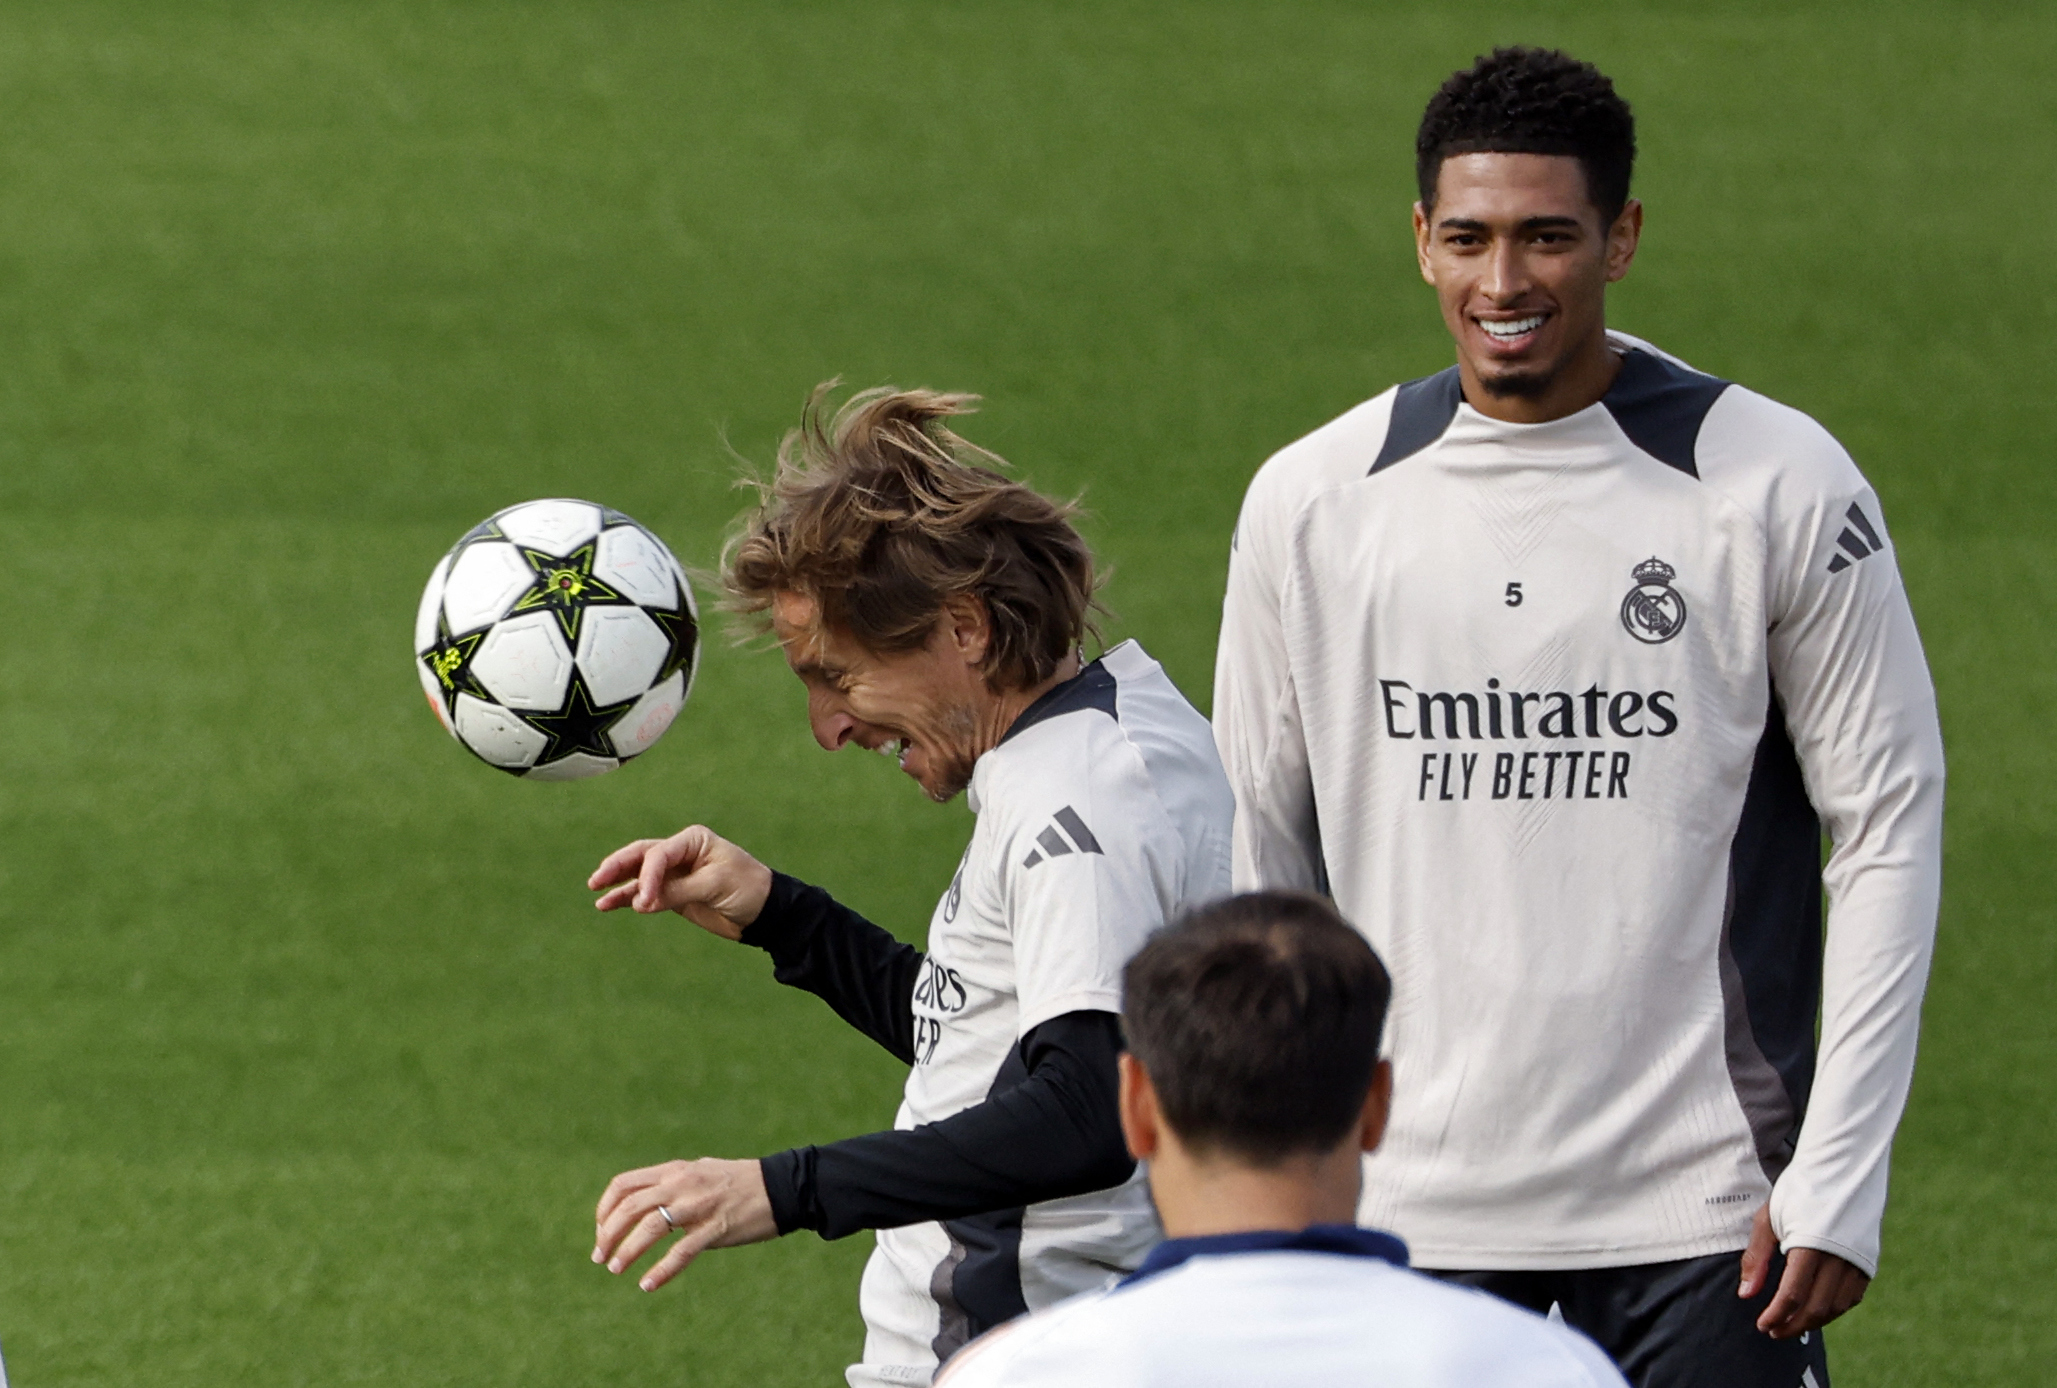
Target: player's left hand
<point>712,1203</point>
<point>1817,1286</point>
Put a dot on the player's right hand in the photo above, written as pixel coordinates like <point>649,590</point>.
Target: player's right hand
<point>695,872</point>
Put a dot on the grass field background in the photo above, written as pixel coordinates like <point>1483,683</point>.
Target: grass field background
<point>312,1056</point>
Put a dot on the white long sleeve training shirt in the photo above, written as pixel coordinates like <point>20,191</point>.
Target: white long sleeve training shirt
<point>1557,712</point>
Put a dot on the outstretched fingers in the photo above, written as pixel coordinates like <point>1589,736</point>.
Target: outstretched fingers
<point>680,854</point>
<point>619,870</point>
<point>648,874</point>
<point>635,1231</point>
<point>694,1240</point>
<point>625,1185</point>
<point>710,1203</point>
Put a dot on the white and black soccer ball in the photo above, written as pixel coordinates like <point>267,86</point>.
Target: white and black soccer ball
<point>557,640</point>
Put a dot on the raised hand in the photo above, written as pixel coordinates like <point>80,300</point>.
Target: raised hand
<point>695,872</point>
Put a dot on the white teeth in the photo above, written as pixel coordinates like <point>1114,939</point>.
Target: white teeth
<point>1513,329</point>
<point>894,750</point>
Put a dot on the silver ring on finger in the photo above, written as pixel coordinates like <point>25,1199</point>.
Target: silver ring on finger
<point>669,1222</point>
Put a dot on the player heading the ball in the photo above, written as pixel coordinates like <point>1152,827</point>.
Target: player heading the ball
<point>1252,1086</point>
<point>934,609</point>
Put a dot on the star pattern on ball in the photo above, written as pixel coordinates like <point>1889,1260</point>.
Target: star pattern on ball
<point>565,585</point>
<point>449,660</point>
<point>681,631</point>
<point>579,726</point>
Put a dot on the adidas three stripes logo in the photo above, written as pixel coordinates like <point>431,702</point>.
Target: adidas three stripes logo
<point>1858,541</point>
<point>1066,833</point>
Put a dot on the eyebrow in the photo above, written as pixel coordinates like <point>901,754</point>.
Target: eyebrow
<point>1530,224</point>
<point>815,666</point>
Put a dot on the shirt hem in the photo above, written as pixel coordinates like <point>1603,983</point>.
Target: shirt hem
<point>1434,1257</point>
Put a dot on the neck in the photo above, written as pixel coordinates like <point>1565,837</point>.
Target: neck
<point>1217,1194</point>
<point>1008,706</point>
<point>1578,383</point>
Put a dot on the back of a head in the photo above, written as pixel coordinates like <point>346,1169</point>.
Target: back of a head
<point>1258,1019</point>
<point>881,514</point>
<point>1531,101</point>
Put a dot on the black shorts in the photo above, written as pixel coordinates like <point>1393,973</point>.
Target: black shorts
<point>1670,1325</point>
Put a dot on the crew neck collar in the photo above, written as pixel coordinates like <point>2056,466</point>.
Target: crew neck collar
<point>1061,698</point>
<point>1349,1240</point>
<point>1093,687</point>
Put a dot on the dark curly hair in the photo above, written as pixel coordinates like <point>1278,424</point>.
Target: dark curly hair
<point>1531,101</point>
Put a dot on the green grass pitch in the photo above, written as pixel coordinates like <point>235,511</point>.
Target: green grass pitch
<point>312,1056</point>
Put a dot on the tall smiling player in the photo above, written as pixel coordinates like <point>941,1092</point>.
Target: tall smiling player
<point>1552,667</point>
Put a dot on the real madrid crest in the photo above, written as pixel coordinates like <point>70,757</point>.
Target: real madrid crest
<point>1654,611</point>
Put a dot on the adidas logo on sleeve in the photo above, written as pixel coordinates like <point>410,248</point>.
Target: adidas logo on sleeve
<point>1858,540</point>
<point>1066,833</point>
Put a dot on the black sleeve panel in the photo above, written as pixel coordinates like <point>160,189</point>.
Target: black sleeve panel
<point>860,970</point>
<point>1056,1132</point>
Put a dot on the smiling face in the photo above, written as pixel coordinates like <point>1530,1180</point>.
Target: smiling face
<point>1521,260</point>
<point>930,708</point>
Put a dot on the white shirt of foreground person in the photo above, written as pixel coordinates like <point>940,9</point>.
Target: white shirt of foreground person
<point>1329,1306</point>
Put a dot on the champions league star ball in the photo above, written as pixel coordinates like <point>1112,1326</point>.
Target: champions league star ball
<point>557,640</point>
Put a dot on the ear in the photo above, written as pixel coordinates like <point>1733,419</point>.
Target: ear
<point>1378,1106</point>
<point>967,627</point>
<point>1142,1126</point>
<point>1421,230</point>
<point>1622,239</point>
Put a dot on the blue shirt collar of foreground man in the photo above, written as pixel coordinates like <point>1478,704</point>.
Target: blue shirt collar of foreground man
<point>1346,1239</point>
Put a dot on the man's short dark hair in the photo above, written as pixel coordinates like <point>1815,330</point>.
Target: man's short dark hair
<point>1258,1021</point>
<point>1531,101</point>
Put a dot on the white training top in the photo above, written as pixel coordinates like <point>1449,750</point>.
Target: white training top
<point>1552,709</point>
<point>1283,1318</point>
<point>1102,814</point>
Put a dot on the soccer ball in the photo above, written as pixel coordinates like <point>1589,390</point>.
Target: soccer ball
<point>557,640</point>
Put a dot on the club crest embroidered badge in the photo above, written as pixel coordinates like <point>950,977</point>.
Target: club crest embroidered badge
<point>1654,611</point>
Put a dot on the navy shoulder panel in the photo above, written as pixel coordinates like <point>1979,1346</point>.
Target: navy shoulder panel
<point>1422,410</point>
<point>1660,405</point>
<point>1091,688</point>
